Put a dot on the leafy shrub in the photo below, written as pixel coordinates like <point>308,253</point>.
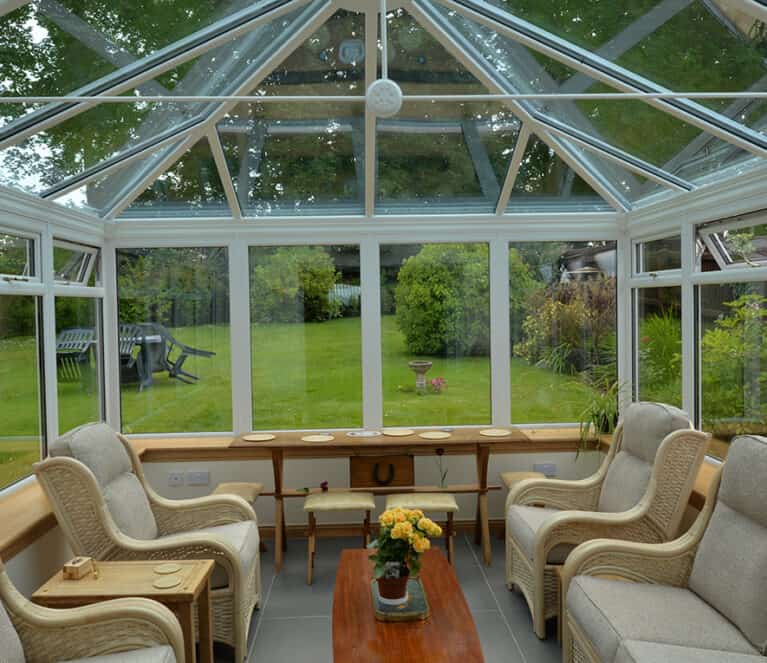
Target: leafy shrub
<point>734,358</point>
<point>569,325</point>
<point>293,284</point>
<point>442,299</point>
<point>660,358</point>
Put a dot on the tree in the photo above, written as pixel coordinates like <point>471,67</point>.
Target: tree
<point>293,284</point>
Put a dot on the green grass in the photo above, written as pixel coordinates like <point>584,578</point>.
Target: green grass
<point>304,376</point>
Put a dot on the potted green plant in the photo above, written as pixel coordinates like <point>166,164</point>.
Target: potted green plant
<point>600,416</point>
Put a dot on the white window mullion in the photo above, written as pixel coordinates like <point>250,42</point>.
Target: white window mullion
<point>110,335</point>
<point>500,332</point>
<point>625,322</point>
<point>688,321</point>
<point>50,377</point>
<point>239,330</point>
<point>372,367</point>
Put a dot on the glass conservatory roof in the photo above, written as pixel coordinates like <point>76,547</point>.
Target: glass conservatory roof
<point>250,109</point>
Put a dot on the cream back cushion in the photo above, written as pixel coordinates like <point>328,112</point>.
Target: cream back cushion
<point>10,645</point>
<point>645,426</point>
<point>98,448</point>
<point>730,569</point>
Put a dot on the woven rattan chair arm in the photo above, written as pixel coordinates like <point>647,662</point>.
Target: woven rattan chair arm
<point>582,495</point>
<point>577,527</point>
<point>96,630</point>
<point>175,516</point>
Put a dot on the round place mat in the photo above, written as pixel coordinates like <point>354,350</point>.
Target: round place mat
<point>258,437</point>
<point>434,435</point>
<point>167,569</point>
<point>318,438</point>
<point>495,432</point>
<point>363,433</point>
<point>398,432</point>
<point>166,582</point>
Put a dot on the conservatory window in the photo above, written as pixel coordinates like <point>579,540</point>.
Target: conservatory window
<point>17,257</point>
<point>175,357</point>
<point>738,242</point>
<point>563,328</point>
<point>732,357</point>
<point>79,365</point>
<point>21,430</point>
<point>658,344</point>
<point>306,336</point>
<point>435,327</point>
<point>76,264</point>
<point>658,255</point>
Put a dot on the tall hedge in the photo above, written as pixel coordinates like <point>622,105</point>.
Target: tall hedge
<point>442,298</point>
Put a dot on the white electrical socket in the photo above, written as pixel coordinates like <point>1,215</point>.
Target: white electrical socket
<point>549,469</point>
<point>175,479</point>
<point>198,478</point>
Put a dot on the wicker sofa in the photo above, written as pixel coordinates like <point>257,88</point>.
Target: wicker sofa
<point>121,631</point>
<point>639,494</point>
<point>106,509</point>
<point>697,599</point>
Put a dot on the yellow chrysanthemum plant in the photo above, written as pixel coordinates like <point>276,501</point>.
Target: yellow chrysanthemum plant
<point>402,538</point>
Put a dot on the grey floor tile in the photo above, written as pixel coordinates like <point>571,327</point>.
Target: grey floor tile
<point>298,640</point>
<point>498,645</point>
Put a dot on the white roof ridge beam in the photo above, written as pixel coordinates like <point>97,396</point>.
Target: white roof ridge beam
<point>479,68</point>
<point>149,67</point>
<point>608,72</point>
<point>312,17</point>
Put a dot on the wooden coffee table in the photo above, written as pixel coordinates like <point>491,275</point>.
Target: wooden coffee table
<point>127,579</point>
<point>448,635</point>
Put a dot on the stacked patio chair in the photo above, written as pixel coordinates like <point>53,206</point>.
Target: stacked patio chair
<point>73,353</point>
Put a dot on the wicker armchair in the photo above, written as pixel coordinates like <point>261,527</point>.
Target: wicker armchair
<point>107,510</point>
<point>699,598</point>
<point>104,632</point>
<point>639,494</point>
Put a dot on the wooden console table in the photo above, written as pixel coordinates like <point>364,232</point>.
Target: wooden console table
<point>463,441</point>
<point>117,580</point>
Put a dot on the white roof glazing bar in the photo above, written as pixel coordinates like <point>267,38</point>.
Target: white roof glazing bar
<point>608,72</point>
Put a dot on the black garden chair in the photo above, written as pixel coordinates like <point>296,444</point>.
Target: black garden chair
<point>170,354</point>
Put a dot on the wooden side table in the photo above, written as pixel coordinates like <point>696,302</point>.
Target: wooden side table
<point>115,580</point>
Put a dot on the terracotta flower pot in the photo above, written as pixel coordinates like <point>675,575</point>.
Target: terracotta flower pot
<point>393,589</point>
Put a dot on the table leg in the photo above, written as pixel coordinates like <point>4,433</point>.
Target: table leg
<point>483,460</point>
<point>280,542</point>
<point>205,622</point>
<point>185,614</point>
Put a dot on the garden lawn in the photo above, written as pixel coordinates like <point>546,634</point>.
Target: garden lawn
<point>305,376</point>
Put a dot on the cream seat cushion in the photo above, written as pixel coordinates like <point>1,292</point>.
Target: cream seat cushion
<point>424,501</point>
<point>609,611</point>
<point>337,501</point>
<point>147,655</point>
<point>11,650</point>
<point>523,523</point>
<point>245,539</point>
<point>633,651</point>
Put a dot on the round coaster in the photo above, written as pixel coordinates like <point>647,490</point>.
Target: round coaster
<point>363,433</point>
<point>434,435</point>
<point>166,582</point>
<point>495,432</point>
<point>258,437</point>
<point>318,438</point>
<point>167,569</point>
<point>398,432</point>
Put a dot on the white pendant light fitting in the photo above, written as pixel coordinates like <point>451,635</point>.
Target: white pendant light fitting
<point>384,96</point>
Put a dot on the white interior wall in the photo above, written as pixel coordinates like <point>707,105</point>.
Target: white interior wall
<point>38,562</point>
<point>309,473</point>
